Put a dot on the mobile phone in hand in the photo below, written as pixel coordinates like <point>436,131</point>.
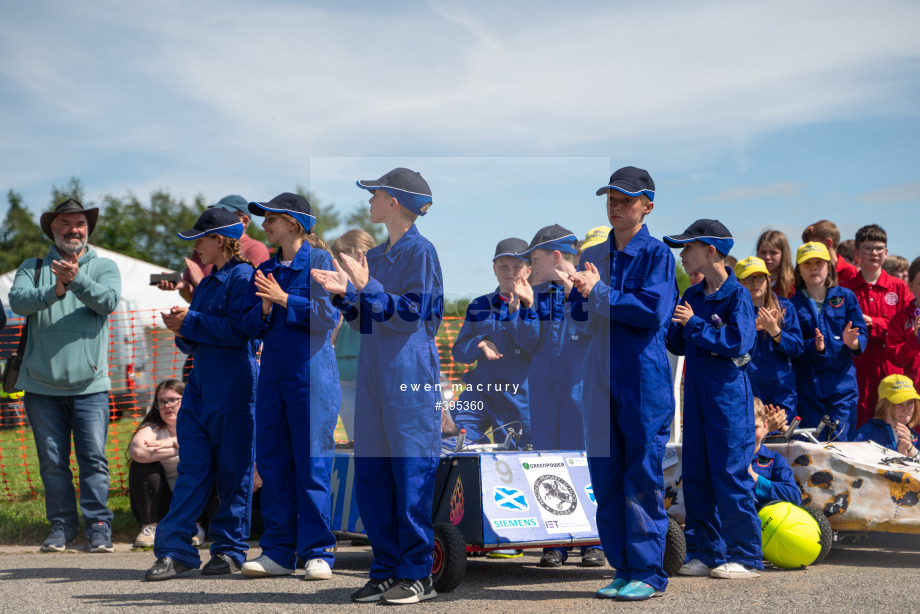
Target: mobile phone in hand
<point>156,278</point>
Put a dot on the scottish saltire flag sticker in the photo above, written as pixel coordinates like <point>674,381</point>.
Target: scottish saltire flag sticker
<point>510,498</point>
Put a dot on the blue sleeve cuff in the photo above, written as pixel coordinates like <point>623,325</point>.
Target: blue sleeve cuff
<point>762,487</point>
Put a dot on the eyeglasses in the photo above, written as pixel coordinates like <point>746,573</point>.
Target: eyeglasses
<point>167,402</point>
<point>878,249</point>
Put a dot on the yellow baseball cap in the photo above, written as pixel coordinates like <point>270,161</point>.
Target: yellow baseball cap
<point>897,389</point>
<point>811,250</point>
<point>595,236</point>
<point>750,265</point>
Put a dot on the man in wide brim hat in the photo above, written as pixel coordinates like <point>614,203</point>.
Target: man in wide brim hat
<point>68,294</point>
<point>71,205</point>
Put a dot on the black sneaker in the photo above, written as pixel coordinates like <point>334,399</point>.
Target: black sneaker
<point>59,539</point>
<point>373,590</point>
<point>99,536</point>
<point>552,558</point>
<point>410,591</point>
<point>219,565</point>
<point>593,557</point>
<point>164,569</point>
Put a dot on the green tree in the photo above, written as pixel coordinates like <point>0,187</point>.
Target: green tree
<point>72,189</point>
<point>148,233</point>
<point>361,218</point>
<point>20,236</point>
<point>327,217</point>
<point>683,280</point>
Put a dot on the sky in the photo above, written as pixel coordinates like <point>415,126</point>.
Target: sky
<point>761,115</point>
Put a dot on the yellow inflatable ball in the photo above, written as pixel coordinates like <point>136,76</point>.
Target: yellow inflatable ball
<point>791,536</point>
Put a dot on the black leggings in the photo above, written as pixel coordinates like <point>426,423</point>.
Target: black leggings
<point>149,491</point>
<point>150,494</point>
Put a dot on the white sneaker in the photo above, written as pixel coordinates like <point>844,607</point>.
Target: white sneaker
<point>734,571</point>
<point>199,536</point>
<point>317,569</point>
<point>145,538</point>
<point>264,567</point>
<point>694,567</point>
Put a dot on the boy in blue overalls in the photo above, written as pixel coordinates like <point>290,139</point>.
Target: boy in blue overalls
<point>394,296</point>
<point>714,327</point>
<point>772,475</point>
<point>489,337</point>
<point>556,373</point>
<point>625,292</point>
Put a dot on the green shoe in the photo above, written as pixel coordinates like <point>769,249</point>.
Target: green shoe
<point>506,553</point>
<point>637,591</point>
<point>613,589</point>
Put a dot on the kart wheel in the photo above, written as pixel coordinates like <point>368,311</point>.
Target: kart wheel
<point>827,533</point>
<point>449,564</point>
<point>675,548</point>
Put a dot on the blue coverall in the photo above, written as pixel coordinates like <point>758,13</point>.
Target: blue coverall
<point>718,425</point>
<point>215,424</point>
<point>296,410</point>
<point>398,420</point>
<point>881,433</point>
<point>487,318</point>
<point>775,480</point>
<point>770,370</point>
<point>826,381</point>
<point>628,398</point>
<point>556,375</point>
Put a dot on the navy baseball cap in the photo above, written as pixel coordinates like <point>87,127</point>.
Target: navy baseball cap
<point>631,181</point>
<point>294,205</point>
<point>214,221</point>
<point>553,237</point>
<point>406,186</point>
<point>234,203</point>
<point>712,232</point>
<point>513,247</point>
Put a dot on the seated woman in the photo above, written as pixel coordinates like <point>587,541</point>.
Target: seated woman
<point>896,414</point>
<point>154,452</point>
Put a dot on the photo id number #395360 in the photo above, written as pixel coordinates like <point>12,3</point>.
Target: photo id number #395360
<point>464,405</point>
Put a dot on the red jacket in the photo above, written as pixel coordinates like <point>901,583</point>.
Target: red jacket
<point>845,271</point>
<point>902,342</point>
<point>880,301</point>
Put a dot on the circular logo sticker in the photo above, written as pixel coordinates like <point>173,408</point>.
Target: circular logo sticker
<point>891,298</point>
<point>555,495</point>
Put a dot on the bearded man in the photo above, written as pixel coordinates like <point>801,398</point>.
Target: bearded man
<point>67,297</point>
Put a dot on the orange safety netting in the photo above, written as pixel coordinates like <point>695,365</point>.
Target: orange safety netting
<point>140,356</point>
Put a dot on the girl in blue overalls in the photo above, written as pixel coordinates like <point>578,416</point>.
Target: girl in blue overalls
<point>298,395</point>
<point>834,331</point>
<point>215,425</point>
<point>779,338</point>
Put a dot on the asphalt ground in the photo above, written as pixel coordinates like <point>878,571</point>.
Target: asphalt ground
<point>878,575</point>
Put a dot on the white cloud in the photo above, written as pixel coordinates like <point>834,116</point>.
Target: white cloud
<point>781,189</point>
<point>235,96</point>
<point>297,80</point>
<point>902,192</point>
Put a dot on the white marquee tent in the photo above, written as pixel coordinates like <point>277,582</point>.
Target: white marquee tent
<point>136,292</point>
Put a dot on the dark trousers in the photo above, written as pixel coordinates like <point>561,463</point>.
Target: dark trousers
<point>150,494</point>
<point>149,491</point>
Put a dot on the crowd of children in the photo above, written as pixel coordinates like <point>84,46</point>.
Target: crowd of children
<point>571,353</point>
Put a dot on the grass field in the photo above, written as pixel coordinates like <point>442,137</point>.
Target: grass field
<point>22,504</point>
<point>22,513</point>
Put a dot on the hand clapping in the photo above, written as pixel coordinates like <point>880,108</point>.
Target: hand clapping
<point>682,313</point>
